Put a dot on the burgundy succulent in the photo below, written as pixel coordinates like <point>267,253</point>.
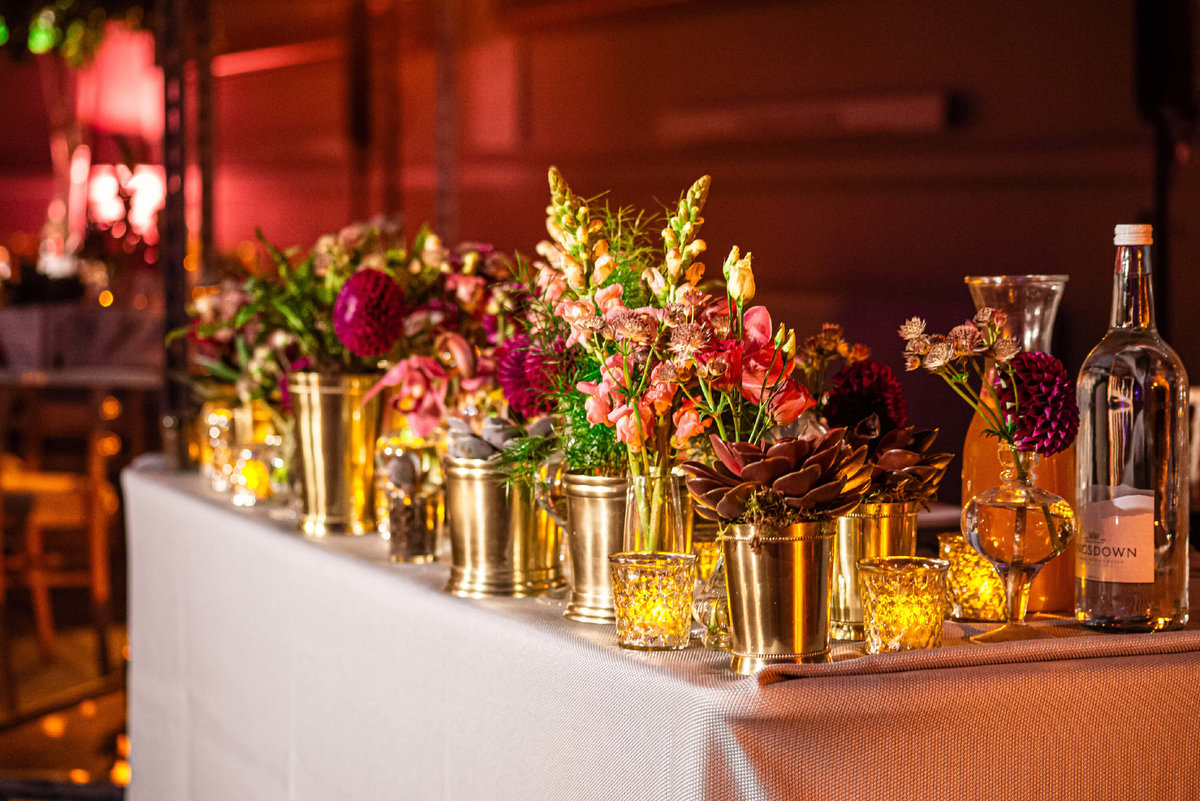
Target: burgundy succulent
<point>807,478</point>
<point>368,315</point>
<point>1040,402</point>
<point>863,389</point>
<point>902,469</point>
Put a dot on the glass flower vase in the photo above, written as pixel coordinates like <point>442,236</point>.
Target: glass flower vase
<point>654,515</point>
<point>1031,303</point>
<point>1018,527</point>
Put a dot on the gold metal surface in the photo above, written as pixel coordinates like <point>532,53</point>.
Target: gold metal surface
<point>252,423</point>
<point>595,527</point>
<point>872,530</point>
<point>335,437</point>
<point>778,583</point>
<point>501,544</point>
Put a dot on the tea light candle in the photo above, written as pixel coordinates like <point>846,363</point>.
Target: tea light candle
<point>251,477</point>
<point>904,601</point>
<point>652,596</point>
<point>973,587</point>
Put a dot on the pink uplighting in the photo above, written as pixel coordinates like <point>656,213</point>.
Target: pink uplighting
<point>145,185</point>
<point>121,90</point>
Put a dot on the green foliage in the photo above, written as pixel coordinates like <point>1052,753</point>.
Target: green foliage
<point>72,28</point>
<point>300,302</point>
<point>522,457</point>
<point>587,448</point>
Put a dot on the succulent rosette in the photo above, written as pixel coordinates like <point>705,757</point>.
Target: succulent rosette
<point>902,467</point>
<point>815,477</point>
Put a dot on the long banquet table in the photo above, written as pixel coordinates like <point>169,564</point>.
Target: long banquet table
<point>266,665</point>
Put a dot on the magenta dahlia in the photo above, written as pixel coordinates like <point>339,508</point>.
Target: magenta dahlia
<point>862,389</point>
<point>1042,408</point>
<point>524,376</point>
<point>368,315</point>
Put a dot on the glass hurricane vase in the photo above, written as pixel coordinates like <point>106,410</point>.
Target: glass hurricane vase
<point>654,515</point>
<point>1018,527</point>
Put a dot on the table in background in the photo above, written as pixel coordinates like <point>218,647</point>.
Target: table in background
<point>269,666</point>
<point>84,414</point>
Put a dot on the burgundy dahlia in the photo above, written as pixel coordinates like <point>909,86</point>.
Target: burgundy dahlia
<point>862,389</point>
<point>368,315</point>
<point>1045,413</point>
<point>524,376</point>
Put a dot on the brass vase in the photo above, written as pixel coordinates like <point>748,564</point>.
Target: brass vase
<point>501,545</point>
<point>335,434</point>
<point>594,530</point>
<point>778,582</point>
<point>870,531</point>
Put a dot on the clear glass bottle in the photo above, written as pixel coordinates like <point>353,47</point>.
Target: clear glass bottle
<point>1131,553</point>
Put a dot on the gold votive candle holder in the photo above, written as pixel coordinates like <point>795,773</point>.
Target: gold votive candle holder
<point>652,594</point>
<point>974,590</point>
<point>707,548</point>
<point>904,602</point>
<point>250,476</point>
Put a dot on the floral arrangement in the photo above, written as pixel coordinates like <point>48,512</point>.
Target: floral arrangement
<point>814,477</point>
<point>821,351</point>
<point>862,389</point>
<point>1030,404</point>
<point>619,319</point>
<point>358,301</point>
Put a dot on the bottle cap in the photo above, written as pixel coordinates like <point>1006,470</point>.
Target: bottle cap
<point>1133,235</point>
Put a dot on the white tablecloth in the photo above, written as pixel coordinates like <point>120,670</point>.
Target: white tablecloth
<point>269,666</point>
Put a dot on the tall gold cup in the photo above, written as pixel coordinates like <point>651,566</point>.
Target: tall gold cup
<point>595,530</point>
<point>778,583</point>
<point>336,433</point>
<point>870,531</point>
<point>500,543</point>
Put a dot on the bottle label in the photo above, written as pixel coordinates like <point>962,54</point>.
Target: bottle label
<point>1116,541</point>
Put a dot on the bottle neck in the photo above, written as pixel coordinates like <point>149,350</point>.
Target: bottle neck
<point>1133,295</point>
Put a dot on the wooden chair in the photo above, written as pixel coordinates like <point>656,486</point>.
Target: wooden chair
<point>78,502</point>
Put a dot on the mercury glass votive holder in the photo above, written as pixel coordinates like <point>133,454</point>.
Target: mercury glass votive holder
<point>974,590</point>
<point>652,594</point>
<point>250,477</point>
<point>707,548</point>
<point>904,602</point>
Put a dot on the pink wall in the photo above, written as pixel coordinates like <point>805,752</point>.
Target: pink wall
<point>862,227</point>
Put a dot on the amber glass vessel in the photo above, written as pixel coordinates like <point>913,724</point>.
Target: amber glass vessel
<point>1031,303</point>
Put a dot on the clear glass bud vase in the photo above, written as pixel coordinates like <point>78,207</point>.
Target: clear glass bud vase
<point>1018,527</point>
